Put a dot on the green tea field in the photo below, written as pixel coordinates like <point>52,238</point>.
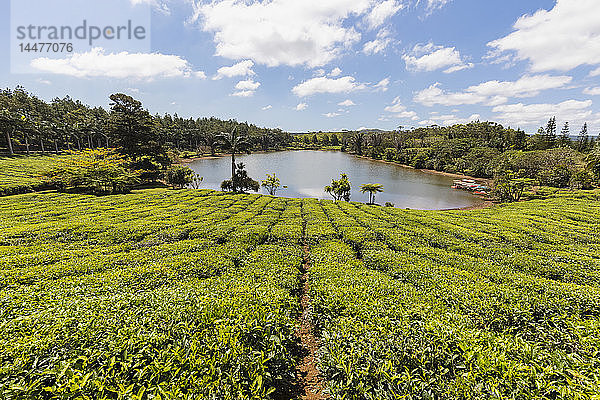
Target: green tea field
<point>163,294</point>
<point>20,174</point>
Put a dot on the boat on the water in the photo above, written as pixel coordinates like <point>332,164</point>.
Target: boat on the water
<point>472,186</point>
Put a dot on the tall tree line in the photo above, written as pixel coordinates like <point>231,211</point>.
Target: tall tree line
<point>29,124</point>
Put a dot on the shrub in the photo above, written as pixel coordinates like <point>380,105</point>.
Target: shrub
<point>178,176</point>
<point>559,177</point>
<point>581,180</point>
<point>240,182</point>
<point>94,171</point>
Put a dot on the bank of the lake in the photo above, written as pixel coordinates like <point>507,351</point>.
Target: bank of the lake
<point>307,172</point>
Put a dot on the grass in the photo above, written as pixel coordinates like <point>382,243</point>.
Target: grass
<point>195,294</point>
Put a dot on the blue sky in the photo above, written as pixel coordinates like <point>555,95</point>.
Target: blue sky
<point>343,64</point>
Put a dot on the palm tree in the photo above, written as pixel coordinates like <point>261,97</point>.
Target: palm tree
<point>234,142</point>
<point>210,140</point>
<point>357,141</point>
<point>372,189</point>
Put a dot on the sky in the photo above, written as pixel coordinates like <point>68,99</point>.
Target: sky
<point>309,65</point>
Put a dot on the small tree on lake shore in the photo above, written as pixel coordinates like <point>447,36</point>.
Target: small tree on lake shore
<point>179,176</point>
<point>372,189</point>
<point>234,142</point>
<point>272,184</point>
<point>339,189</point>
<point>240,181</point>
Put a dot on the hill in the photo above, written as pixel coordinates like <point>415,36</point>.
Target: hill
<point>196,294</point>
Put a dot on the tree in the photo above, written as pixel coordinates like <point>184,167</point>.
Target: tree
<point>234,142</point>
<point>335,141</point>
<point>564,138</point>
<point>240,181</point>
<point>372,189</point>
<point>178,176</point>
<point>550,134</point>
<point>135,133</point>
<point>357,141</point>
<point>509,188</point>
<point>339,189</point>
<point>593,162</point>
<point>211,140</point>
<point>272,184</point>
<point>583,139</point>
<point>95,171</point>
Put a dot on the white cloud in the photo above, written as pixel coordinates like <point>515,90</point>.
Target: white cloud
<point>158,5</point>
<point>563,38</point>
<point>335,72</point>
<point>381,42</point>
<point>382,11</point>
<point>592,91</point>
<point>400,111</point>
<point>492,92</point>
<point>382,85</point>
<point>281,32</point>
<point>433,5</point>
<point>247,85</point>
<point>457,68</point>
<point>347,103</point>
<point>267,107</point>
<point>430,57</point>
<point>449,119</point>
<point>301,107</point>
<point>98,63</point>
<point>331,114</point>
<point>243,68</point>
<point>43,81</point>
<point>243,93</point>
<point>322,84</point>
<point>534,114</point>
<point>595,72</point>
<point>246,88</point>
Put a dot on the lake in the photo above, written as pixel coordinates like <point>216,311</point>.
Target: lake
<point>306,173</point>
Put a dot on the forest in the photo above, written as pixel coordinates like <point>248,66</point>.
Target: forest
<point>513,159</point>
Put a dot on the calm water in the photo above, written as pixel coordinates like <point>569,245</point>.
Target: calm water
<point>306,173</point>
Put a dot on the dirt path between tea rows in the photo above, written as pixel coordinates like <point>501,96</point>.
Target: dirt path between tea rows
<point>307,372</point>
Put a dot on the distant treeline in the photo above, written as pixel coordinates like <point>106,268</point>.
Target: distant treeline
<point>479,149</point>
<point>29,124</point>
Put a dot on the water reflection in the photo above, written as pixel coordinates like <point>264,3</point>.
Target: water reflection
<point>306,173</point>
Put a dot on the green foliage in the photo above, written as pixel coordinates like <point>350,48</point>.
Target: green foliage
<point>195,295</point>
<point>500,303</point>
<point>20,174</point>
<point>134,129</point>
<point>339,189</point>
<point>272,184</point>
<point>240,182</point>
<point>553,167</point>
<point>99,171</point>
<point>179,176</point>
<point>150,295</point>
<point>372,189</point>
<point>508,188</point>
<point>29,124</point>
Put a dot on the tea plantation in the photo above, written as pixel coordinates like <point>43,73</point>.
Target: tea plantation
<point>20,174</point>
<point>188,294</point>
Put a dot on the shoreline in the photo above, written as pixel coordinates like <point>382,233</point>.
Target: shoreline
<point>184,161</point>
<point>427,171</point>
<point>480,206</point>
